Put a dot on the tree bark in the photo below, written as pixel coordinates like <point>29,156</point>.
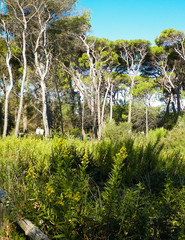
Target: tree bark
<point>173,107</point>
<point>83,112</point>
<point>44,109</point>
<point>23,80</point>
<point>31,230</point>
<point>146,121</point>
<point>60,108</point>
<point>25,119</point>
<point>72,104</point>
<point>111,102</point>
<point>6,104</point>
<point>166,112</point>
<point>99,115</point>
<point>130,108</point>
<point>178,101</point>
<point>1,120</point>
<point>42,67</point>
<point>9,85</point>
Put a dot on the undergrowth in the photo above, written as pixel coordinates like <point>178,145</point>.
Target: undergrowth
<point>72,189</point>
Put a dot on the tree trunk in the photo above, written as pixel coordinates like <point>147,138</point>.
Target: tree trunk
<point>20,109</point>
<point>1,120</point>
<point>94,124</point>
<point>102,112</point>
<point>22,84</point>
<point>25,120</point>
<point>60,108</point>
<point>44,111</point>
<point>5,127</point>
<point>173,107</point>
<point>111,102</point>
<point>146,121</point>
<point>72,98</point>
<point>99,115</point>
<point>130,101</point>
<point>130,108</point>
<point>81,114</point>
<point>167,112</point>
<point>8,91</point>
<point>178,102</point>
<point>93,114</point>
<point>83,131</point>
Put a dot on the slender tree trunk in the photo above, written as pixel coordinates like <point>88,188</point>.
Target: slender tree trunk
<point>130,108</point>
<point>9,86</point>
<point>60,108</point>
<point>111,102</point>
<point>22,84</point>
<point>81,107</point>
<point>44,111</point>
<point>1,120</point>
<point>25,123</point>
<point>99,115</point>
<point>94,123</point>
<point>146,121</point>
<point>167,111</point>
<point>5,127</point>
<point>8,91</point>
<point>173,107</point>
<point>20,109</point>
<point>25,119</point>
<point>102,112</point>
<point>93,113</point>
<point>42,71</point>
<point>130,101</point>
<point>72,98</point>
<point>178,102</point>
<point>83,112</point>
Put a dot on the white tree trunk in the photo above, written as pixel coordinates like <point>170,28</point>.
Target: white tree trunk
<point>6,106</point>
<point>42,67</point>
<point>131,99</point>
<point>44,111</point>
<point>111,103</point>
<point>10,83</point>
<point>23,82</point>
<point>130,108</point>
<point>5,127</point>
<point>100,126</point>
<point>25,120</point>
<point>99,115</point>
<point>83,131</point>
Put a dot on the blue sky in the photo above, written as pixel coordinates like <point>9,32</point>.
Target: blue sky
<point>134,19</point>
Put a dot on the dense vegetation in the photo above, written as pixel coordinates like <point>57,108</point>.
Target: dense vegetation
<point>125,187</point>
<point>111,164</point>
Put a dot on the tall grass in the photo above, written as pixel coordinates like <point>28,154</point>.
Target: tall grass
<point>132,188</point>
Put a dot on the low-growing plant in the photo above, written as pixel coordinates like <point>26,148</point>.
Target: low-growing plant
<point>74,189</point>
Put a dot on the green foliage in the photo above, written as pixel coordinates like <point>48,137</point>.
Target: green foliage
<point>3,47</point>
<point>157,51</point>
<point>145,86</point>
<point>124,186</point>
<point>132,45</point>
<point>169,36</point>
<point>116,132</point>
<point>114,185</point>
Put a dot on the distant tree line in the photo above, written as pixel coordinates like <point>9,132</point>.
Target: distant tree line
<point>52,74</point>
